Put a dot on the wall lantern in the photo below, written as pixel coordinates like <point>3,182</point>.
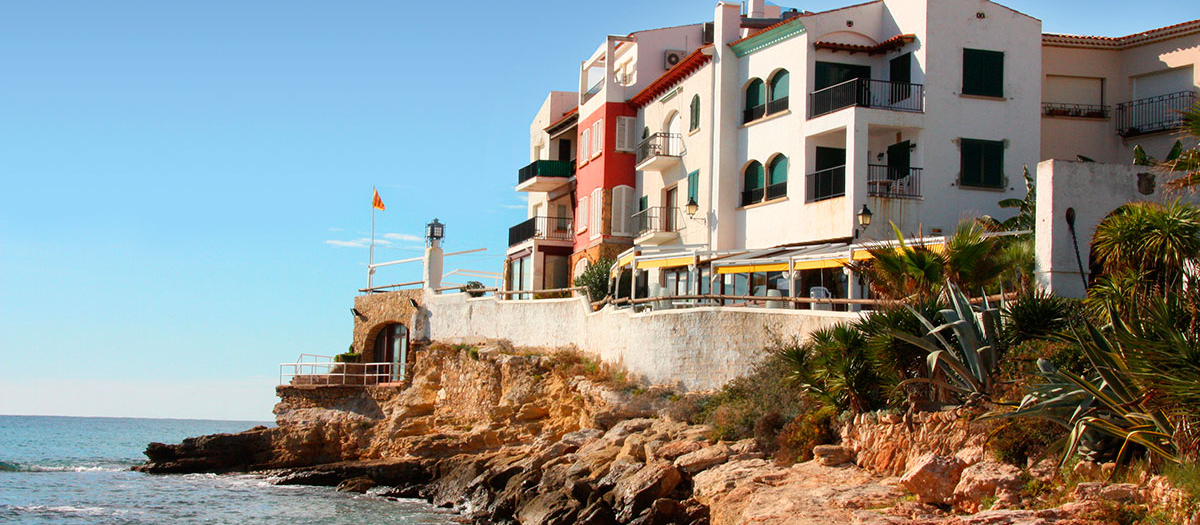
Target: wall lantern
<point>434,231</point>
<point>864,216</point>
<point>692,207</point>
<point>357,314</point>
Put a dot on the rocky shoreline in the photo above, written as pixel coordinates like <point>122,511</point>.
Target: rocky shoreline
<point>505,436</point>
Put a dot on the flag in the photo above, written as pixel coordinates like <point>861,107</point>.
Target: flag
<point>377,202</point>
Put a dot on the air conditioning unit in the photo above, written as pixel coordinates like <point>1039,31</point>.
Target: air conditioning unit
<point>672,57</point>
<point>707,33</point>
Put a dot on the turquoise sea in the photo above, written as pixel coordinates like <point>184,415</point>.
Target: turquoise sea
<point>75,470</point>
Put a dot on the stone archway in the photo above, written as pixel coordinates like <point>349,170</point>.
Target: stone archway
<point>389,354</point>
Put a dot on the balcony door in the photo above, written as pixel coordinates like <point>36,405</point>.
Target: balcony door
<point>899,160</point>
<point>900,75</point>
<point>833,73</point>
<point>674,140</point>
<point>672,202</point>
<point>391,347</point>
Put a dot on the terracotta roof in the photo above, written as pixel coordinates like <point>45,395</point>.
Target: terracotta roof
<point>895,42</point>
<point>802,15</point>
<point>1122,42</point>
<point>574,111</point>
<point>673,76</point>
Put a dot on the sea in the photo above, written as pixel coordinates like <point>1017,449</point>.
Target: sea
<point>75,470</point>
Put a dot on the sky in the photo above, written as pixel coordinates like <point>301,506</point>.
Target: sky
<point>186,185</point>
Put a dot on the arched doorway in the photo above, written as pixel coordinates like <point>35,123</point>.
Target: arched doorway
<point>391,347</point>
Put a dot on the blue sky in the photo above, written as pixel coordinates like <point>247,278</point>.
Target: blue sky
<point>185,184</point>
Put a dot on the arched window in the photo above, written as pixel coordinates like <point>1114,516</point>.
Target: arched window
<point>694,123</point>
<point>752,188</point>
<point>779,92</point>
<point>777,178</point>
<point>756,100</point>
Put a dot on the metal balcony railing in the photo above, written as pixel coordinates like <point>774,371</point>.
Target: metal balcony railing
<point>1056,109</point>
<point>862,92</point>
<point>657,219</point>
<point>661,144</point>
<point>591,92</point>
<point>778,105</point>
<point>826,184</point>
<point>1149,115</point>
<point>546,228</point>
<point>312,369</point>
<point>771,192</point>
<point>546,168</point>
<point>893,183</point>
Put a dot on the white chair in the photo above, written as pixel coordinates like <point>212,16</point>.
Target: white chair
<point>821,292</point>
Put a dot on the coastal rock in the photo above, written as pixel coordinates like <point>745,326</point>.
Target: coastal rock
<point>359,485</point>
<point>988,480</point>
<point>702,459</point>
<point>674,449</point>
<point>1119,493</point>
<point>833,455</point>
<point>933,478</point>
<point>636,492</point>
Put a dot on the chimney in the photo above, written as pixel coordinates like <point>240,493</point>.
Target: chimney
<point>758,8</point>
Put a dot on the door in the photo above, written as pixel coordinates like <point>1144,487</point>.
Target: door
<point>391,354</point>
<point>900,75</point>
<point>564,150</point>
<point>830,158</point>
<point>832,73</point>
<point>674,142</point>
<point>899,160</point>
<point>672,201</point>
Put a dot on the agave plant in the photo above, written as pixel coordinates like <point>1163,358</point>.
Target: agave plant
<point>965,369</point>
<point>1109,405</point>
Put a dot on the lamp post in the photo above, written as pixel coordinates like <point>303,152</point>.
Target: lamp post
<point>692,208</point>
<point>434,232</point>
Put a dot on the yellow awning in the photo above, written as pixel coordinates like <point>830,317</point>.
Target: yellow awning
<point>862,255</point>
<point>625,259</point>
<point>818,264</point>
<point>748,268</point>
<point>666,263</point>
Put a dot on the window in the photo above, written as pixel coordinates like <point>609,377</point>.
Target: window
<point>982,163</point>
<point>756,100</point>
<point>777,178</point>
<point>597,212</point>
<point>622,202</point>
<point>753,184</point>
<point>694,121</point>
<point>581,218</point>
<point>693,185</point>
<point>643,203</point>
<point>983,73</point>
<point>779,92</point>
<point>829,180</point>
<point>585,140</point>
<point>626,140</point>
<point>597,137</point>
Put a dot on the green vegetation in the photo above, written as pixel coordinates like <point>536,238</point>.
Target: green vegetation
<point>595,278</point>
<point>473,285</point>
<point>348,357</point>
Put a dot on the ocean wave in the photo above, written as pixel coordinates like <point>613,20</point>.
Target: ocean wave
<point>7,466</point>
<point>61,509</point>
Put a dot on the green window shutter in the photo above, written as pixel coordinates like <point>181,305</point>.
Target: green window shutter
<point>756,94</point>
<point>754,176</point>
<point>982,163</point>
<point>983,73</point>
<point>993,164</point>
<point>972,162</point>
<point>779,85</point>
<point>779,168</point>
<point>694,124</point>
<point>643,203</point>
<point>694,186</point>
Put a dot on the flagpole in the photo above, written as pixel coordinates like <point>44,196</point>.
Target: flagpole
<point>371,256</point>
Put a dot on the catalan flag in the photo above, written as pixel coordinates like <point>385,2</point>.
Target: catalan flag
<point>377,202</point>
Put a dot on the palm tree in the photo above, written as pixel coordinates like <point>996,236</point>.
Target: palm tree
<point>1153,240</point>
<point>836,366</point>
<point>1186,163</point>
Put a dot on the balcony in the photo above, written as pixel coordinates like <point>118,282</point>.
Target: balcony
<point>592,91</point>
<point>826,184</point>
<point>657,225</point>
<point>773,107</point>
<point>1154,114</point>
<point>1092,111</point>
<point>545,175</point>
<point>769,193</point>
<point>542,228</point>
<point>866,93</point>
<point>660,151</point>
<point>892,182</point>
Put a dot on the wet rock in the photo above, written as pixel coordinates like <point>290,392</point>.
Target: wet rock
<point>554,508</point>
<point>833,455</point>
<point>357,485</point>
<point>933,478</point>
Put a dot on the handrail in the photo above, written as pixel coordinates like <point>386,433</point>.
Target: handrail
<point>865,92</point>
<point>786,299</point>
<point>826,184</point>
<point>658,219</point>
<point>892,182</point>
<point>315,373</point>
<point>1062,109</point>
<point>660,144</point>
<point>1153,114</point>
<point>547,290</point>
<point>541,227</point>
<point>382,289</point>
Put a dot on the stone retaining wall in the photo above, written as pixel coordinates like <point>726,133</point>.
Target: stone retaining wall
<point>888,444</point>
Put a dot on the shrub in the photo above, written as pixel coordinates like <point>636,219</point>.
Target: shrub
<point>348,357</point>
<point>595,278</point>
<point>1017,441</point>
<point>734,409</point>
<point>572,363</point>
<point>473,285</point>
<point>766,431</point>
<point>1037,314</point>
<point>797,439</point>
<point>835,366</point>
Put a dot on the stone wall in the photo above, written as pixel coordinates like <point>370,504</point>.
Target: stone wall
<point>382,309</point>
<point>700,348</point>
<point>888,444</point>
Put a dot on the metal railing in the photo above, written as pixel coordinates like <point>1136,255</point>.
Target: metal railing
<point>752,196</point>
<point>757,195</point>
<point>863,92</point>
<point>552,228</point>
<point>1057,109</point>
<point>657,219</point>
<point>826,184</point>
<point>893,183</point>
<point>778,105</point>
<point>546,168</point>
<point>777,190</point>
<point>661,144</point>
<point>312,369</point>
<point>754,113</point>
<point>1149,115</point>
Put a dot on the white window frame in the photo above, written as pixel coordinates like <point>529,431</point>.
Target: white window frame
<point>597,218</point>
<point>581,220</point>
<point>626,134</point>
<point>622,219</point>
<point>597,137</point>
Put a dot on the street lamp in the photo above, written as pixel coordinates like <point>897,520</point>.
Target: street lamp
<point>864,219</point>
<point>692,207</point>
<point>434,231</point>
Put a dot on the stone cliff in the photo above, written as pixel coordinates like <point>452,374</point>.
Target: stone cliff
<point>509,436</point>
